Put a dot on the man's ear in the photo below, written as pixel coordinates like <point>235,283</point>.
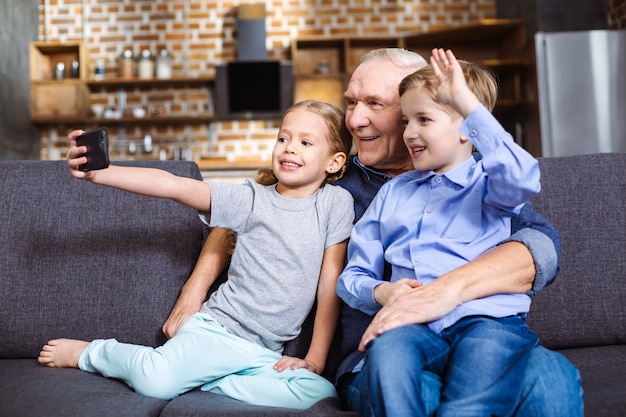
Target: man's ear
<point>336,162</point>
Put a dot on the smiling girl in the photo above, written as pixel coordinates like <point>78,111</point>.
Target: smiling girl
<point>291,242</point>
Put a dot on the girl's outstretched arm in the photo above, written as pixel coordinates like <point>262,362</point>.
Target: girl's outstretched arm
<point>145,181</point>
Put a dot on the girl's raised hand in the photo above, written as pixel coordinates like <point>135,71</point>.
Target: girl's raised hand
<point>76,155</point>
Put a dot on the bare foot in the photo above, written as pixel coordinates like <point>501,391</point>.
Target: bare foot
<point>62,353</point>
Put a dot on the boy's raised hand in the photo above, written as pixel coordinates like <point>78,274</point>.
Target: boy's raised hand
<point>452,87</point>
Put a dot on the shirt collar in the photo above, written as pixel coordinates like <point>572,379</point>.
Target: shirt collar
<point>368,170</point>
<point>460,175</point>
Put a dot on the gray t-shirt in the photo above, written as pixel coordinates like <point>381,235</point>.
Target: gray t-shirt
<point>275,268</point>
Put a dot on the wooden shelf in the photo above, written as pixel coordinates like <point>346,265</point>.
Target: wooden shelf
<point>45,55</point>
<point>486,31</point>
<point>165,120</point>
<point>170,120</point>
<point>141,82</point>
<point>238,164</point>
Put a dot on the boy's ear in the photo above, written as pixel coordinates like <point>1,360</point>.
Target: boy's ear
<point>463,139</point>
<point>336,162</point>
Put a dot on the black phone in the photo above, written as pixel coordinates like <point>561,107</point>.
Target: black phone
<point>97,143</point>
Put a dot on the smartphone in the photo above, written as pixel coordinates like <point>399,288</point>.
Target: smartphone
<point>97,143</point>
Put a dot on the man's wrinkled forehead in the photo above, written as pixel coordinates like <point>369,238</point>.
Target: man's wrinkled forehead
<point>376,80</point>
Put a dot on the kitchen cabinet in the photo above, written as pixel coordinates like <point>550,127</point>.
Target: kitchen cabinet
<point>57,72</point>
<point>170,108</point>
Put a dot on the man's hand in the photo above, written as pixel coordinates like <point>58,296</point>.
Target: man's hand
<point>422,304</point>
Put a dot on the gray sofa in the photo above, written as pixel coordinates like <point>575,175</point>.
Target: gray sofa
<point>84,261</point>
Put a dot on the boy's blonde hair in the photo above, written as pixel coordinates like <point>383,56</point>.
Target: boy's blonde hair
<point>339,137</point>
<point>480,80</point>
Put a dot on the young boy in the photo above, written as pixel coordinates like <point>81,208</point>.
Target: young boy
<point>429,221</point>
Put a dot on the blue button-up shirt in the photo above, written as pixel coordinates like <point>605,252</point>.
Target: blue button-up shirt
<point>426,224</point>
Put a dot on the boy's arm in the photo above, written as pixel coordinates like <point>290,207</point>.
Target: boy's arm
<point>213,259</point>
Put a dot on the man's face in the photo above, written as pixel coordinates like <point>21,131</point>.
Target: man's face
<point>374,116</point>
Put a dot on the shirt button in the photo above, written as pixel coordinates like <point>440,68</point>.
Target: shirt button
<point>438,180</point>
<point>473,133</point>
<point>429,209</point>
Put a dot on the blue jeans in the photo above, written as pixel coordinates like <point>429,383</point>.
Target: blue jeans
<point>406,375</point>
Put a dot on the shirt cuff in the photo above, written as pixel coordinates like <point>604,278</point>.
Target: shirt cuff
<point>544,255</point>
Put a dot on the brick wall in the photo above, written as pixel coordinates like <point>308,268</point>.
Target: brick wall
<point>200,33</point>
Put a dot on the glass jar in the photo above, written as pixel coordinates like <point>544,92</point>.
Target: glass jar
<point>100,70</point>
<point>164,65</point>
<point>59,71</point>
<point>127,65</point>
<point>146,65</point>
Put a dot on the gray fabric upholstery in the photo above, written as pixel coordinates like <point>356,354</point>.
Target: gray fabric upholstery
<point>86,261</point>
<point>83,261</point>
<point>584,197</point>
<point>29,389</point>
<point>603,370</point>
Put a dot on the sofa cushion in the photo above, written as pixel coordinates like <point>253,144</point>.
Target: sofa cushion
<point>603,371</point>
<point>64,239</point>
<point>584,197</point>
<point>29,389</point>
<point>207,404</point>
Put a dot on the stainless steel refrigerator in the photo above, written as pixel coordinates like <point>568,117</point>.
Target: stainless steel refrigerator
<point>582,91</point>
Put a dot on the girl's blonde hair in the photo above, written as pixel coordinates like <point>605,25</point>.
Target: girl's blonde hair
<point>339,137</point>
<point>480,80</point>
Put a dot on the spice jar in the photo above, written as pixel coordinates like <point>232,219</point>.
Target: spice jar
<point>75,69</point>
<point>127,66</point>
<point>59,71</point>
<point>146,65</point>
<point>164,65</point>
<point>100,69</point>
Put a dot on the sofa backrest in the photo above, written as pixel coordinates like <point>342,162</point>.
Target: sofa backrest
<point>85,261</point>
<point>584,197</point>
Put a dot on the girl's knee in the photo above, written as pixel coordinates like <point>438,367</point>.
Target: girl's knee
<point>159,387</point>
<point>158,382</point>
<point>307,391</point>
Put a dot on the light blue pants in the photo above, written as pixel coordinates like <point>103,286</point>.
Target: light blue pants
<point>204,354</point>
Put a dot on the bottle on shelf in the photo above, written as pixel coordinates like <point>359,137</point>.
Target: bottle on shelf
<point>100,69</point>
<point>127,65</point>
<point>163,65</point>
<point>146,65</point>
